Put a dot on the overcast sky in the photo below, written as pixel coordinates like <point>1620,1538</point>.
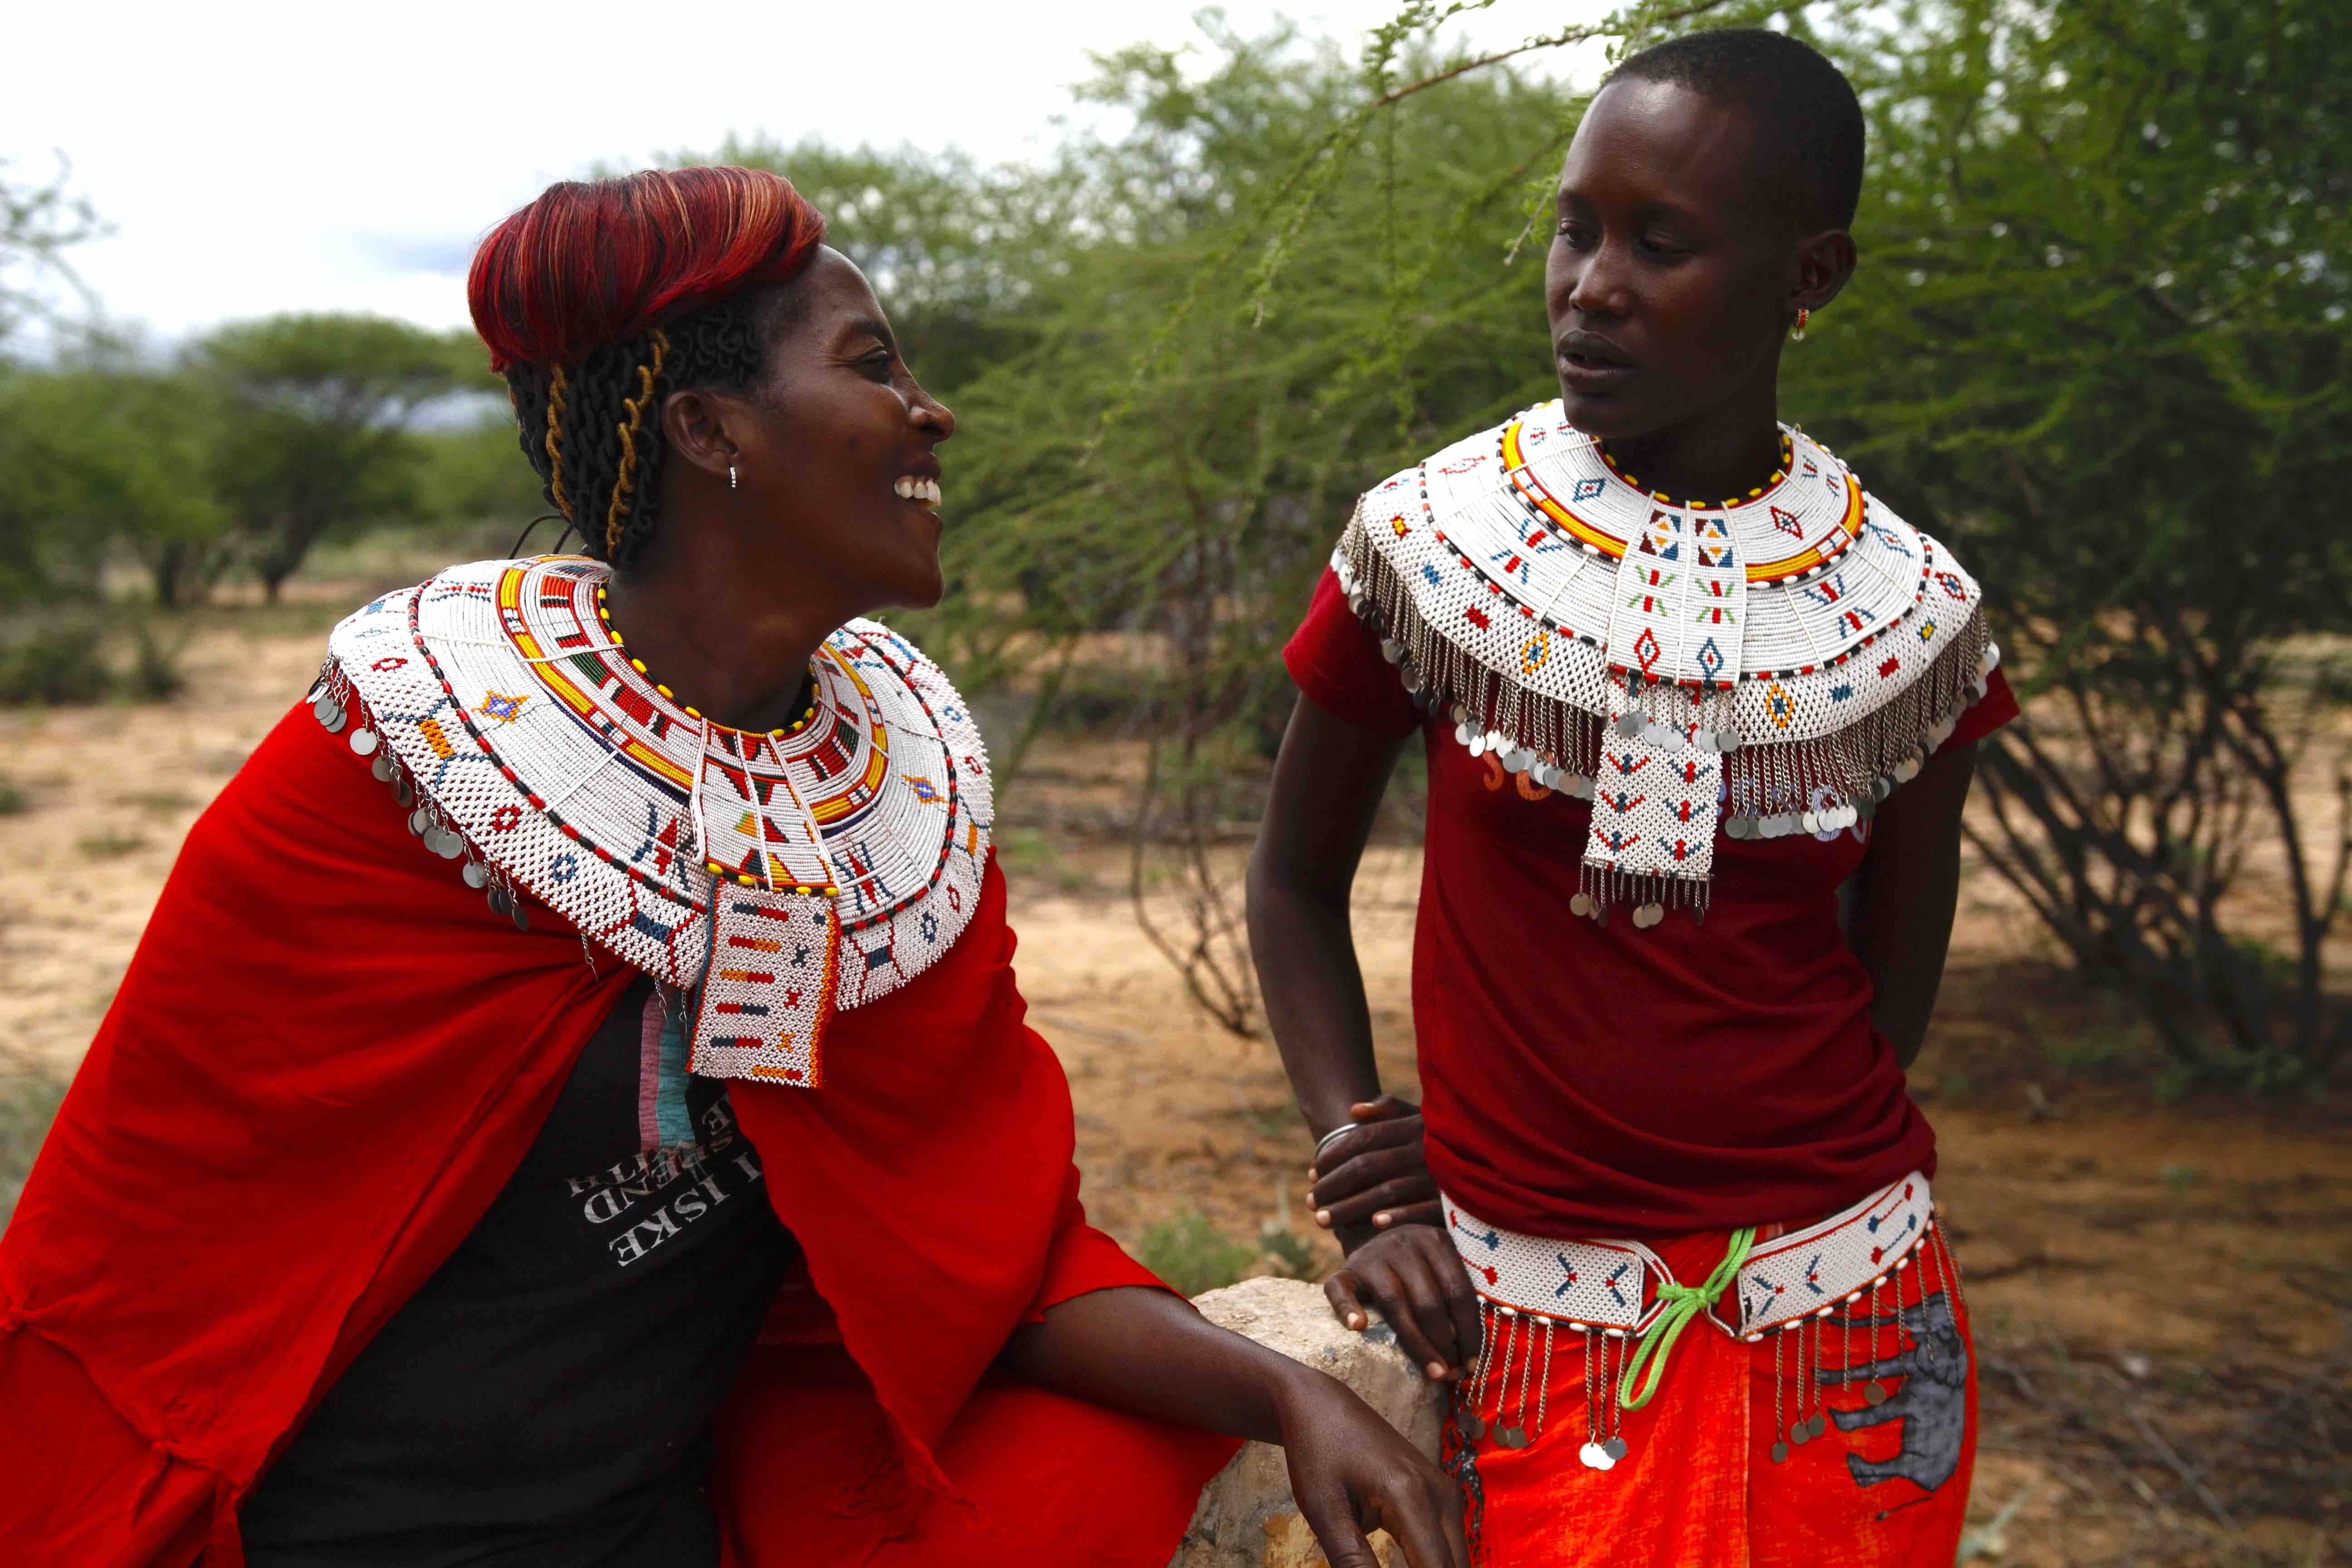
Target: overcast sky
<point>255,157</point>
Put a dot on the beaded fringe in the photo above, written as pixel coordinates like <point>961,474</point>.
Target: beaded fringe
<point>1558,742</point>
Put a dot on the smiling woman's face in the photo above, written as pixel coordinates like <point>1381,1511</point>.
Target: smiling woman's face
<point>838,447</point>
<point>1672,266</point>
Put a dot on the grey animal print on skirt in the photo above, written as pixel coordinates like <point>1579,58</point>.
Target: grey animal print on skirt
<point>1932,1403</point>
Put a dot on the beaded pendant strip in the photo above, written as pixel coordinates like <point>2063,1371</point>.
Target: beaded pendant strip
<point>775,876</point>
<point>1768,664</point>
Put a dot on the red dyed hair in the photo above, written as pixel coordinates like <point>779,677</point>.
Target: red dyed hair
<point>601,262</point>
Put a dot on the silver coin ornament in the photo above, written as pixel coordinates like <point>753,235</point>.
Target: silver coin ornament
<point>1779,1453</point>
<point>336,721</point>
<point>452,844</point>
<point>1801,1431</point>
<point>1616,1448</point>
<point>1647,915</point>
<point>325,708</point>
<point>419,821</point>
<point>1512,1437</point>
<point>381,767</point>
<point>1727,739</point>
<point>365,741</point>
<point>1873,1395</point>
<point>1629,725</point>
<point>1581,905</point>
<point>521,921</point>
<point>1819,1425</point>
<point>1595,1456</point>
<point>476,875</point>
<point>1472,1427</point>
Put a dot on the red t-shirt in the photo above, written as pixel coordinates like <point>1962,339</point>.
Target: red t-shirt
<point>1585,1079</point>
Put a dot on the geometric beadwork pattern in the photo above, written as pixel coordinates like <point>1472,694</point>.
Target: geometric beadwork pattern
<point>1779,661</point>
<point>1583,1284</point>
<point>1613,1284</point>
<point>1810,1270</point>
<point>850,848</point>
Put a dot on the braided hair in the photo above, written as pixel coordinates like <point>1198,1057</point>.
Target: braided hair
<point>600,297</point>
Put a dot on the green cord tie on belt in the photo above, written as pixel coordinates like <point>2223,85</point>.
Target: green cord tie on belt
<point>1683,1302</point>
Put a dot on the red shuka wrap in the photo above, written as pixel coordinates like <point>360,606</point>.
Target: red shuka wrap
<point>325,1061</point>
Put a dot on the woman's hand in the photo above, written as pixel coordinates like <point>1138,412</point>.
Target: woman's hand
<point>1414,1278</point>
<point>1374,1173</point>
<point>1350,1471</point>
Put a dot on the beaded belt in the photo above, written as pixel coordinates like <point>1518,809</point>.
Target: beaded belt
<point>1612,1292</point>
<point>1614,1284</point>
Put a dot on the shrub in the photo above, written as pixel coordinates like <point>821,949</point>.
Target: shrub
<point>1193,1255</point>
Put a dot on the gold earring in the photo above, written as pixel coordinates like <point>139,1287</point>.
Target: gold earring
<point>1805,314</point>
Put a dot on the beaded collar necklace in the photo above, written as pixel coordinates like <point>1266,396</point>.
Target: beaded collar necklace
<point>1769,665</point>
<point>775,875</point>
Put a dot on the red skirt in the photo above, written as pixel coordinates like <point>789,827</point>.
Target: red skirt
<point>1847,1441</point>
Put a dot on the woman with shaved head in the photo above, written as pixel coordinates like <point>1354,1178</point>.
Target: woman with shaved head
<point>1663,1221</point>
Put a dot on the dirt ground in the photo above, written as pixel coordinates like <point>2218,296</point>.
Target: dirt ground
<point>2163,1292</point>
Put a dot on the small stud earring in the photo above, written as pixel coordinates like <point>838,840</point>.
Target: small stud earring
<point>731,472</point>
<point>1805,314</point>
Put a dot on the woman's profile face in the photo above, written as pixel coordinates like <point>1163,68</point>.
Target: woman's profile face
<point>1671,263</point>
<point>838,444</point>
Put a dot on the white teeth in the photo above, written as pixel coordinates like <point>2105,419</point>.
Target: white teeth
<point>911,488</point>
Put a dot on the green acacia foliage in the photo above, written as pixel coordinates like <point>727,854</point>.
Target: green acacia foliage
<point>317,435</point>
<point>98,457</point>
<point>2099,342</point>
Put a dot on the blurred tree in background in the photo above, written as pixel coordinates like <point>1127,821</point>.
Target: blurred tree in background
<point>2098,342</point>
<point>38,223</point>
<point>318,435</point>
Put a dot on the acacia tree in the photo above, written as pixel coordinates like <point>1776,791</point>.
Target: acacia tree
<point>2099,342</point>
<point>318,435</point>
<point>98,455</point>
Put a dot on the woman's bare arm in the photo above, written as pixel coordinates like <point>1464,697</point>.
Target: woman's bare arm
<point>1910,885</point>
<point>1326,789</point>
<point>1148,1352</point>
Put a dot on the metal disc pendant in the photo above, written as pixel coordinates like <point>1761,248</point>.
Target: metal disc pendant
<point>1512,1437</point>
<point>502,902</point>
<point>325,708</point>
<point>1647,915</point>
<point>1472,1427</point>
<point>452,844</point>
<point>1579,904</point>
<point>1727,739</point>
<point>365,741</point>
<point>419,821</point>
<point>1616,1448</point>
<point>381,767</point>
<point>1779,1453</point>
<point>1629,724</point>
<point>1873,1395</point>
<point>514,909</point>
<point>1595,1456</point>
<point>336,721</point>
<point>1819,1425</point>
<point>402,789</point>
<point>476,875</point>
<point>1801,1432</point>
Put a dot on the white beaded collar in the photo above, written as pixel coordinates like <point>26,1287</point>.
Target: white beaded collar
<point>777,876</point>
<point>1765,664</point>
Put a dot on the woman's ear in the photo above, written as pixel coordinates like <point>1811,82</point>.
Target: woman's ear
<point>695,421</point>
<point>1824,264</point>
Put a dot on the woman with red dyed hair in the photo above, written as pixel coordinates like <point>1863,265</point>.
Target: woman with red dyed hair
<point>572,1104</point>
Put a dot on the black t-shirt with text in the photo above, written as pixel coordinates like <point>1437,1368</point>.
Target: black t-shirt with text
<point>546,1398</point>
